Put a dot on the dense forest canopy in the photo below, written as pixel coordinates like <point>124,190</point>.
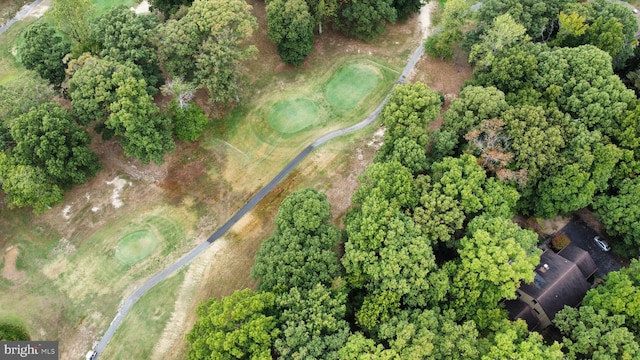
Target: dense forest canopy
<point>548,125</point>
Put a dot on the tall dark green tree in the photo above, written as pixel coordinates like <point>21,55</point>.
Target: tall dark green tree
<point>301,252</point>
<point>42,50</point>
<point>207,45</point>
<point>291,28</point>
<point>126,36</point>
<point>48,139</point>
<point>240,326</point>
<point>366,19</point>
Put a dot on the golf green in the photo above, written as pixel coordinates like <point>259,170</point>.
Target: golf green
<point>291,116</point>
<point>350,85</point>
<point>136,246</point>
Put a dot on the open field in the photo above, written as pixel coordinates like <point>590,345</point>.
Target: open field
<point>80,258</point>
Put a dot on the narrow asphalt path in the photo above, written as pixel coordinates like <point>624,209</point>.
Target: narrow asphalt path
<point>126,305</point>
<point>20,15</point>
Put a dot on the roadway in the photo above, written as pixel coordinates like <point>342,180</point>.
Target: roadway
<point>20,15</point>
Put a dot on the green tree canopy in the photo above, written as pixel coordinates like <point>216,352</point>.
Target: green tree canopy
<point>620,213</point>
<point>46,138</point>
<point>42,50</point>
<point>125,36</point>
<point>207,46</point>
<point>312,323</point>
<point>27,185</point>
<point>366,19</point>
<point>620,295</point>
<point>300,253</point>
<point>291,28</point>
<point>240,326</point>
<point>495,256</point>
<point>596,334</point>
<point>72,17</point>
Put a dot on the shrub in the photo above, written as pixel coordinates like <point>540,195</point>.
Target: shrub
<point>560,241</point>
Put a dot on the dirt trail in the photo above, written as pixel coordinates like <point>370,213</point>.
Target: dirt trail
<point>9,270</point>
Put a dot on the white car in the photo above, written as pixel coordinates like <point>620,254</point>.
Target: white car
<point>601,243</point>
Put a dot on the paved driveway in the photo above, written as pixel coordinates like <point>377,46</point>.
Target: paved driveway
<point>582,236</point>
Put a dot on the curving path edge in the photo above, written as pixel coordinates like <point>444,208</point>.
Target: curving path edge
<point>127,303</point>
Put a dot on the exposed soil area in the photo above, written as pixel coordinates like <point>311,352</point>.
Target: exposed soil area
<point>9,270</point>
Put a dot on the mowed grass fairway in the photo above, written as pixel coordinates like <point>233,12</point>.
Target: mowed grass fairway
<point>265,133</point>
<point>136,246</point>
<point>291,116</point>
<point>351,84</point>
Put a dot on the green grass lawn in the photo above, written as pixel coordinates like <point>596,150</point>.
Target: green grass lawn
<point>291,116</point>
<point>350,85</point>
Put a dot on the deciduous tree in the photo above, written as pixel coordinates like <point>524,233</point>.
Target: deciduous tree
<point>42,50</point>
<point>366,19</point>
<point>207,46</point>
<point>240,326</point>
<point>46,138</point>
<point>595,334</point>
<point>125,36</point>
<point>291,28</point>
<point>300,253</point>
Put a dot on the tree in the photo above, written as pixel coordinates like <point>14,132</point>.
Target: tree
<point>240,326</point>
<point>454,17</point>
<point>312,323</point>
<point>389,260</point>
<point>93,85</point>
<point>300,253</point>
<point>28,186</point>
<point>146,135</point>
<point>404,8</point>
<point>503,32</point>
<point>291,28</point>
<point>168,7</point>
<point>72,17</point>
<point>182,91</point>
<point>46,138</point>
<point>430,334</point>
<point>595,334</point>
<point>366,19</point>
<point>323,11</point>
<point>620,295</point>
<point>456,191</point>
<point>390,181</point>
<point>495,256</point>
<point>103,88</point>
<point>408,112</point>
<point>188,121</point>
<point>19,96</point>
<point>125,36</point>
<point>42,50</point>
<point>471,107</point>
<point>620,213</point>
<point>206,46</point>
<point>512,341</point>
<point>538,18</point>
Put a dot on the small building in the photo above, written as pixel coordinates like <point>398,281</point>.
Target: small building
<point>561,279</point>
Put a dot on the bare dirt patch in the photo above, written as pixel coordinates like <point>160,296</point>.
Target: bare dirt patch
<point>142,8</point>
<point>9,270</point>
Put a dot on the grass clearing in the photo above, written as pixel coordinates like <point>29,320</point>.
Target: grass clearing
<point>291,116</point>
<point>136,246</point>
<point>146,319</point>
<point>350,85</point>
